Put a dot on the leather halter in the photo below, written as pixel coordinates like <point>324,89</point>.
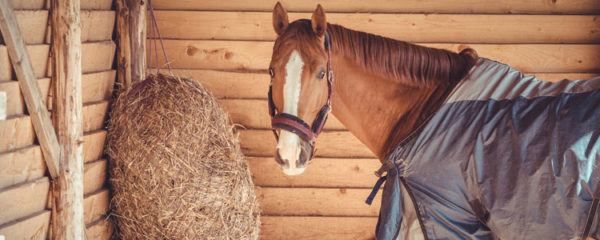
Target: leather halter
<point>296,125</point>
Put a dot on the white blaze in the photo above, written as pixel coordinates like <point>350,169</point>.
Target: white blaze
<point>289,143</point>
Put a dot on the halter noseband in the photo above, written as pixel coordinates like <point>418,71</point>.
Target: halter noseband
<point>296,125</point>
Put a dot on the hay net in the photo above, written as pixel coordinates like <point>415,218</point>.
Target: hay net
<point>176,169</point>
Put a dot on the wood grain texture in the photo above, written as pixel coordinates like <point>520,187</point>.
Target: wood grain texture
<point>423,28</point>
<point>18,132</point>
<point>31,92</point>
<point>95,25</point>
<point>322,172</point>
<point>100,230</point>
<point>137,39</point>
<point>24,199</point>
<point>94,176</point>
<point>95,206</point>
<point>243,55</point>
<point>96,57</point>
<point>34,227</point>
<point>309,228</point>
<point>240,85</point>
<point>93,145</point>
<point>67,113</point>
<point>39,4</point>
<point>124,45</point>
<point>330,144</point>
<point>21,165</point>
<point>347,202</point>
<point>411,6</point>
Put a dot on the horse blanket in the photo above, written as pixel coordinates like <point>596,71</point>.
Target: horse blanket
<point>507,156</point>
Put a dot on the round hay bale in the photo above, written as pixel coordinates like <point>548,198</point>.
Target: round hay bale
<point>176,168</point>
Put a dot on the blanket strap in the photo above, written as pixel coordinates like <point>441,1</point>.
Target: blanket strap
<point>375,190</point>
<point>592,213</point>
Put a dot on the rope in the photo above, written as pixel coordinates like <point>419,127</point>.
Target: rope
<point>154,29</point>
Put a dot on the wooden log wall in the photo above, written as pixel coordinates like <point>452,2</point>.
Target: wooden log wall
<point>227,46</point>
<point>24,182</point>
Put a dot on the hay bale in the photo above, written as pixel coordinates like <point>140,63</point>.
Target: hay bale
<point>176,168</point>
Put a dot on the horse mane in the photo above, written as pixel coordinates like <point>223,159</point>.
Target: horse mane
<point>398,60</point>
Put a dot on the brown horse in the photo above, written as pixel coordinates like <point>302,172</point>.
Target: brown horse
<point>468,141</point>
<point>415,79</point>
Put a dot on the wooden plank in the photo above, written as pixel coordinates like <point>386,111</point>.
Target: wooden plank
<point>347,202</point>
<point>34,227</point>
<point>97,56</point>
<point>96,4</point>
<point>408,6</point>
<point>95,87</point>
<point>308,228</point>
<point>31,91</point>
<point>94,115</point>
<point>38,55</point>
<point>23,200</point>
<point>27,4</point>
<point>95,206</point>
<point>100,230</point>
<point>19,131</point>
<point>33,25</point>
<point>97,25</point>
<point>423,28</point>
<point>22,165</point>
<point>226,84</point>
<point>240,55</point>
<point>94,175</point>
<point>330,144</point>
<point>93,145</point>
<point>322,172</point>
<point>98,86</point>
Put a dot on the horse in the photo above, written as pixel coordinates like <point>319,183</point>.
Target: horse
<point>470,147</point>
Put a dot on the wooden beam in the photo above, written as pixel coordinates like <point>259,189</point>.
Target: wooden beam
<point>347,202</point>
<point>31,91</point>
<point>32,227</point>
<point>256,55</point>
<point>261,143</point>
<point>124,43</point>
<point>241,85</point>
<point>68,222</point>
<point>313,228</point>
<point>23,200</point>
<point>423,28</point>
<point>322,172</point>
<point>407,6</point>
<point>137,37</point>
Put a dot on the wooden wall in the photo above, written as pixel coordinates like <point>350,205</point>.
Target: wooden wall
<point>24,185</point>
<point>227,46</point>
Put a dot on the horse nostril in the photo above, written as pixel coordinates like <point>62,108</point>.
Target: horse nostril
<point>282,162</point>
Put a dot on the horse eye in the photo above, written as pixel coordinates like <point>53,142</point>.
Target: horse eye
<point>321,75</point>
<point>271,72</point>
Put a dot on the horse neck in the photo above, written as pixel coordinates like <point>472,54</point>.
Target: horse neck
<point>380,112</point>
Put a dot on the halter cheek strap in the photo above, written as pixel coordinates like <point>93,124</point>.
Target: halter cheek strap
<point>291,123</point>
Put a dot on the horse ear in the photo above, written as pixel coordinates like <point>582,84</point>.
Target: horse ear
<point>319,23</point>
<point>280,19</point>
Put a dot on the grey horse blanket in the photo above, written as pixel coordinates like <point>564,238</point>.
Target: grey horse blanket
<point>507,156</point>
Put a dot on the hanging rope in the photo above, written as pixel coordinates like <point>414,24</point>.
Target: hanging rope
<point>155,32</point>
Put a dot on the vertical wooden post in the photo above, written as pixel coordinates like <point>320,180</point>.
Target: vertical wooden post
<point>137,34</point>
<point>66,53</point>
<point>124,43</point>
